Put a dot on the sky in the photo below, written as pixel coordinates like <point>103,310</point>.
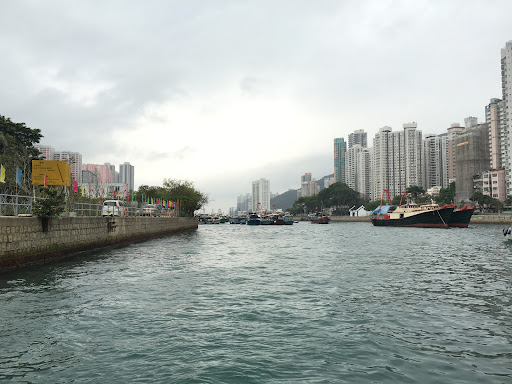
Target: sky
<point>222,93</point>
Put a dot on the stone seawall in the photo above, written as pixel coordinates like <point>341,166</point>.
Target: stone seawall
<point>23,242</point>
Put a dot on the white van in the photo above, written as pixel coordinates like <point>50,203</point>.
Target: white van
<point>113,208</point>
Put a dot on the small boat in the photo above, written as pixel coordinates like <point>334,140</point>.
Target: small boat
<point>460,217</point>
<point>288,219</point>
<point>235,220</point>
<point>267,220</point>
<point>254,219</point>
<point>279,219</point>
<point>507,232</point>
<point>320,219</point>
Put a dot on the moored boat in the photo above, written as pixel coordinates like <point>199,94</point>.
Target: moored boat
<point>460,217</point>
<point>279,219</point>
<point>254,219</point>
<point>235,220</point>
<point>288,219</point>
<point>412,215</point>
<point>320,219</point>
<point>267,220</point>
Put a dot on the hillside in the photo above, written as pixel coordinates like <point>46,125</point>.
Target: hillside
<point>284,200</point>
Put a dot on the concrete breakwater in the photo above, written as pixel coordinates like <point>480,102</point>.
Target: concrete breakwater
<point>23,242</point>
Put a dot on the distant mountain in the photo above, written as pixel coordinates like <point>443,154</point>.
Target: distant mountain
<point>286,200</point>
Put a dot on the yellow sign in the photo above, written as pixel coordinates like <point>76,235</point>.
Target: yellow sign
<point>58,172</point>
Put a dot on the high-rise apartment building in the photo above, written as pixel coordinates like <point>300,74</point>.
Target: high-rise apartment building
<point>358,170</point>
<point>126,175</point>
<point>498,133</point>
<point>471,158</point>
<point>46,151</point>
<point>308,186</point>
<point>506,87</point>
<point>397,160</point>
<point>115,174</point>
<point>358,137</point>
<point>470,122</point>
<point>435,161</point>
<point>413,155</point>
<point>382,161</point>
<point>244,203</point>
<point>340,149</point>
<point>454,131</point>
<point>261,195</point>
<point>98,174</point>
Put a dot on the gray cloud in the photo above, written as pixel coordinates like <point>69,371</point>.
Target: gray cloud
<point>87,72</point>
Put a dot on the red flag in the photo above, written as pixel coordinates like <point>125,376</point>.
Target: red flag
<point>75,186</point>
<point>45,180</point>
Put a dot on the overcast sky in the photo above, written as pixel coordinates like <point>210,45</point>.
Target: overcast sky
<point>222,93</point>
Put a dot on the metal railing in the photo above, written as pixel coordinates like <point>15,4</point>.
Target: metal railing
<point>15,205</point>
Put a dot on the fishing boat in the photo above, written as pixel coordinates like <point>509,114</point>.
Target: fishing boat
<point>267,220</point>
<point>235,220</point>
<point>279,219</point>
<point>460,217</point>
<point>411,214</point>
<point>254,219</point>
<point>288,219</point>
<point>320,218</point>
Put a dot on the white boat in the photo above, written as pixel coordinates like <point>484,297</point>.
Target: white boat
<point>507,232</point>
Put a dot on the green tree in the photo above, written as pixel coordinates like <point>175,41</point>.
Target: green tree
<point>304,204</point>
<point>339,197</point>
<point>487,203</point>
<point>17,151</point>
<point>50,206</point>
<point>189,197</point>
<point>414,191</point>
<point>446,195</point>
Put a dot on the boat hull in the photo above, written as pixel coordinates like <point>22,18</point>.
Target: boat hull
<point>460,218</point>
<point>439,218</point>
<point>320,220</point>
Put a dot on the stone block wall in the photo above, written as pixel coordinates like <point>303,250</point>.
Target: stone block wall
<point>22,240</point>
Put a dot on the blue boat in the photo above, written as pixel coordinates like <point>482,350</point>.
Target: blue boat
<point>254,219</point>
<point>288,219</point>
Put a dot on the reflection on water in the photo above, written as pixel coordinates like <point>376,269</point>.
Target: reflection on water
<point>302,303</point>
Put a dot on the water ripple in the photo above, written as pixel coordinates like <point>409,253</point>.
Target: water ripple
<point>302,303</point>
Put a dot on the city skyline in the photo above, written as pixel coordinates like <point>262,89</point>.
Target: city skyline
<point>169,88</point>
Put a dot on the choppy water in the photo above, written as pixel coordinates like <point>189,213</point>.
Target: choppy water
<point>344,302</point>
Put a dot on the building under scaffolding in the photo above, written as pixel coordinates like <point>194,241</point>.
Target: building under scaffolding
<point>471,158</point>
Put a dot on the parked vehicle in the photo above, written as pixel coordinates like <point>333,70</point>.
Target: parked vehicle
<point>114,208</point>
<point>151,210</point>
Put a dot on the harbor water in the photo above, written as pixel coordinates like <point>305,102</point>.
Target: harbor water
<point>308,303</point>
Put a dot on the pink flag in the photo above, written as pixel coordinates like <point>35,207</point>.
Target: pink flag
<point>75,186</point>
